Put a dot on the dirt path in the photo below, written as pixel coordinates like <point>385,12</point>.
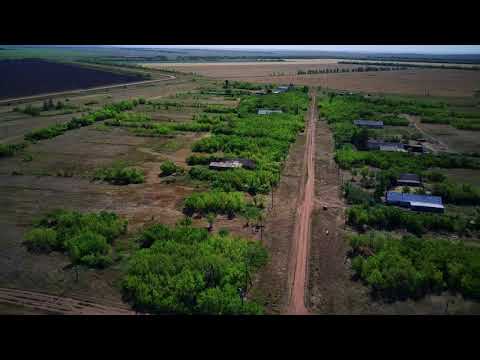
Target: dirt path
<point>59,305</point>
<point>303,221</point>
<point>79,91</point>
<point>418,125</point>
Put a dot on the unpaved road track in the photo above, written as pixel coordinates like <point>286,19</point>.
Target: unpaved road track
<point>303,222</point>
<point>59,305</point>
<point>79,91</point>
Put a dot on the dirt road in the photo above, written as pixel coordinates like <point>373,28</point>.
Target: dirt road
<point>59,305</point>
<point>299,264</point>
<point>79,91</point>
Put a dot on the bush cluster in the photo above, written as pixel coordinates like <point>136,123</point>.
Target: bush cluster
<point>107,112</point>
<point>169,168</point>
<point>392,218</point>
<point>413,267</point>
<point>87,238</point>
<point>11,149</point>
<point>186,270</point>
<point>120,174</point>
<point>218,202</point>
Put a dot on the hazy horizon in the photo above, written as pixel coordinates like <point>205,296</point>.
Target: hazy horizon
<point>412,49</point>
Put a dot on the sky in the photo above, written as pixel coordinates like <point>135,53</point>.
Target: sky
<point>419,49</point>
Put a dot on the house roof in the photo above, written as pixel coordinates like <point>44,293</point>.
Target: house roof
<point>378,143</point>
<point>424,204</point>
<point>409,177</point>
<point>368,122</point>
<point>267,111</point>
<point>424,200</point>
<point>226,164</point>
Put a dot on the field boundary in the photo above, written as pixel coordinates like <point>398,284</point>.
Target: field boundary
<point>79,91</point>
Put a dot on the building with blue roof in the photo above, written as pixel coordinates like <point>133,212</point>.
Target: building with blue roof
<point>415,201</point>
<point>369,123</point>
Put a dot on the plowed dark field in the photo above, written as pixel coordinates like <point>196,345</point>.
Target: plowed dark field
<point>31,77</point>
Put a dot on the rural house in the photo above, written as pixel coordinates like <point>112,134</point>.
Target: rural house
<point>415,202</point>
<point>268,111</point>
<point>415,147</point>
<point>232,164</point>
<point>281,89</point>
<point>384,146</point>
<point>369,124</point>
<point>409,180</point>
<point>225,165</point>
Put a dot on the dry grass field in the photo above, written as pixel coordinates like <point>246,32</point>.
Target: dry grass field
<point>437,82</point>
<point>58,176</point>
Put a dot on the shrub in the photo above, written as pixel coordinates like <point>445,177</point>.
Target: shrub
<point>120,175</point>
<point>85,237</point>
<point>217,202</point>
<point>169,167</point>
<point>90,249</point>
<point>41,240</point>
<point>10,149</point>
<point>356,195</point>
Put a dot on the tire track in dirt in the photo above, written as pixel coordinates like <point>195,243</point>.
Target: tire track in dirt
<point>299,257</point>
<point>58,304</point>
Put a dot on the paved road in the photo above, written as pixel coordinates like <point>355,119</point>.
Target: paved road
<point>60,305</point>
<point>79,91</point>
<point>303,221</point>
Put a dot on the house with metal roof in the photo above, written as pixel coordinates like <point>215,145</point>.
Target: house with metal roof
<point>226,164</point>
<point>373,124</point>
<point>415,202</point>
<point>409,180</point>
<point>384,146</point>
<point>268,111</point>
<point>281,89</point>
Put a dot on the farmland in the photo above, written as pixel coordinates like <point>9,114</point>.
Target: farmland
<point>414,81</point>
<point>110,154</point>
<point>110,204</point>
<point>26,77</point>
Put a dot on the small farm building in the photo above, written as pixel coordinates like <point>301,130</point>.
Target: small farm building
<point>409,180</point>
<point>384,146</point>
<point>268,111</point>
<point>281,89</point>
<point>224,165</point>
<point>416,202</point>
<point>369,123</point>
<point>232,164</point>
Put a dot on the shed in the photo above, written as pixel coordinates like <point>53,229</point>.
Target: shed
<point>247,163</point>
<point>385,146</point>
<point>415,201</point>
<point>280,89</point>
<point>225,165</point>
<point>415,147</point>
<point>268,111</point>
<point>409,180</point>
<point>369,123</point>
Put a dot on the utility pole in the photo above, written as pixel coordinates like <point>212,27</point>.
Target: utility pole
<point>271,186</point>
